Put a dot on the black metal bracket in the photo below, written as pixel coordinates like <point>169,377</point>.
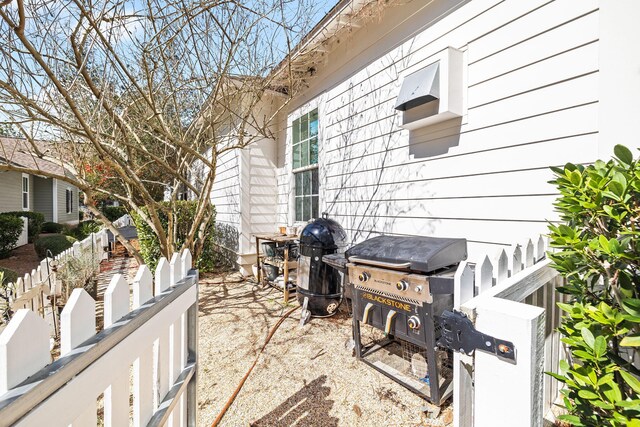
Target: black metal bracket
<point>459,334</point>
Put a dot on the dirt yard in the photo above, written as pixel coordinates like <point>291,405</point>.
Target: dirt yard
<point>305,377</point>
<point>22,260</point>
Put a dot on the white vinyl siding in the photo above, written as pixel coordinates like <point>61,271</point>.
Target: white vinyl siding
<point>532,100</point>
<point>225,196</point>
<point>66,194</point>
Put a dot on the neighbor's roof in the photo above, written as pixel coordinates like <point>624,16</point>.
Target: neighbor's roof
<point>19,152</point>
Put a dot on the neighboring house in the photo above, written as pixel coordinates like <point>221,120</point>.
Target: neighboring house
<point>440,118</point>
<point>57,200</point>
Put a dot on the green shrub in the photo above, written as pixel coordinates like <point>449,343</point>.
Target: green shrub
<point>52,227</point>
<point>599,255</point>
<point>113,212</point>
<point>56,243</point>
<point>184,214</point>
<point>10,276</point>
<point>36,219</point>
<point>10,230</point>
<point>83,229</point>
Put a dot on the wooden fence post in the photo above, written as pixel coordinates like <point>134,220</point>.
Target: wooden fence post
<point>78,324</point>
<point>506,393</point>
<point>142,286</point>
<point>116,396</point>
<point>77,321</point>
<point>143,365</point>
<point>462,364</point>
<point>187,263</point>
<point>175,269</point>
<point>24,349</point>
<point>163,281</point>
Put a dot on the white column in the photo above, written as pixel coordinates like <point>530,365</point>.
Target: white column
<point>619,75</point>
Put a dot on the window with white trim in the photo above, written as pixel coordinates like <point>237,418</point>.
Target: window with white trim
<point>69,200</point>
<point>25,192</point>
<point>305,165</point>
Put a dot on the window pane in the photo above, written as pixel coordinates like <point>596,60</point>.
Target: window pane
<point>313,151</point>
<point>314,181</point>
<point>25,200</point>
<point>304,127</point>
<point>299,211</point>
<point>314,206</point>
<point>25,184</point>
<point>296,156</point>
<point>313,123</point>
<point>306,184</point>
<point>296,131</point>
<point>304,154</point>
<point>299,184</point>
<point>307,207</point>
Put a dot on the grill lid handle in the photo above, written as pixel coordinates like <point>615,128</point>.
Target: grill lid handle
<point>391,265</point>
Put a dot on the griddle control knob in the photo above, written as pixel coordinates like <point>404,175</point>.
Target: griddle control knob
<point>364,276</point>
<point>418,289</point>
<point>402,285</point>
<point>414,322</point>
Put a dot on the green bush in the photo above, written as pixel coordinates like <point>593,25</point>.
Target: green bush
<point>598,252</point>
<point>10,276</point>
<point>83,229</point>
<point>113,212</point>
<point>184,214</point>
<point>52,227</point>
<point>56,243</point>
<point>36,219</point>
<point>10,230</point>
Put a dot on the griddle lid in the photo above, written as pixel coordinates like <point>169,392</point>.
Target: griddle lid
<point>423,254</point>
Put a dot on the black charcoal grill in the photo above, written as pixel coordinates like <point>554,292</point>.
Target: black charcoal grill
<point>401,287</point>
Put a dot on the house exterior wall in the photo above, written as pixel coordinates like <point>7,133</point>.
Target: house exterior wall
<point>43,197</point>
<point>531,70</point>
<point>63,216</point>
<point>245,199</point>
<point>10,191</point>
<point>225,196</point>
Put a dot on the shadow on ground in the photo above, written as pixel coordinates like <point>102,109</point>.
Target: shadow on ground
<point>309,406</point>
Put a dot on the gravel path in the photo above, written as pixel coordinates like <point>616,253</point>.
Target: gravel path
<point>305,377</point>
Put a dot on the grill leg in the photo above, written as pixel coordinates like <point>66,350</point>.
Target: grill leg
<point>356,337</point>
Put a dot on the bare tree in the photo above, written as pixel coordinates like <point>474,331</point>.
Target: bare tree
<point>132,95</point>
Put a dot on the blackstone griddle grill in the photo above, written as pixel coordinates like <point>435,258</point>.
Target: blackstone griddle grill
<point>402,286</point>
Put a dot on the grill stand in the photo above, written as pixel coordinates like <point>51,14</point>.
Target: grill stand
<point>432,392</point>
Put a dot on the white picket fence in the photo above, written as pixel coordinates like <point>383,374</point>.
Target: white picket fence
<point>124,221</point>
<point>147,349</point>
<point>31,289</point>
<point>510,297</point>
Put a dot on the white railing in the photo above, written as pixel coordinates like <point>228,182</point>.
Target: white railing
<point>156,339</point>
<point>124,221</point>
<point>30,290</point>
<point>23,239</point>
<point>512,297</point>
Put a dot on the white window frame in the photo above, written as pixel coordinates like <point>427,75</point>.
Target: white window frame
<point>294,171</point>
<point>25,176</point>
<point>68,200</point>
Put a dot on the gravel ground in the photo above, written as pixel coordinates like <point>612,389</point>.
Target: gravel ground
<point>305,377</point>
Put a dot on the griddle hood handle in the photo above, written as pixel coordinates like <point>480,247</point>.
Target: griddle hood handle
<point>389,265</point>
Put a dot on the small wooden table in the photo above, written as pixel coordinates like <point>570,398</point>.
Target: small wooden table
<point>278,238</point>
